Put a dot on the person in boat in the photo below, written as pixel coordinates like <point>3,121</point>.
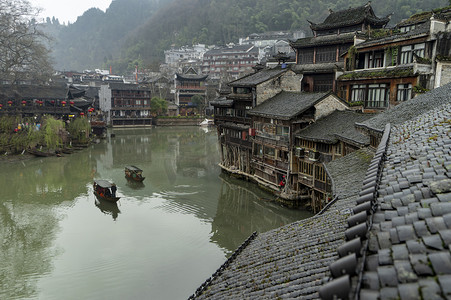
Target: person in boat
<point>113,190</point>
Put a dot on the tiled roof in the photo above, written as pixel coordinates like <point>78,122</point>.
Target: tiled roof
<point>324,40</point>
<point>318,68</point>
<point>191,76</point>
<point>222,102</point>
<point>422,30</point>
<point>287,105</point>
<point>398,237</point>
<point>34,92</point>
<point>441,14</point>
<point>125,86</point>
<point>338,125</point>
<point>409,109</point>
<point>291,261</point>
<point>349,17</point>
<point>404,242</point>
<point>254,79</point>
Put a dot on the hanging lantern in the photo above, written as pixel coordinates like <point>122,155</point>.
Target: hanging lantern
<point>10,102</point>
<point>24,102</point>
<point>1,105</point>
<point>71,102</point>
<point>63,103</point>
<point>82,114</point>
<point>40,102</point>
<point>53,101</point>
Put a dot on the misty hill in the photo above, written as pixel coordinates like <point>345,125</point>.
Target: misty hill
<point>134,32</point>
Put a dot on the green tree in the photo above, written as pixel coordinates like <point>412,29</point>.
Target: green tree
<point>199,102</point>
<point>158,106</point>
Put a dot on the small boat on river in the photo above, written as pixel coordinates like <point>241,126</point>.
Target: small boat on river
<point>134,173</point>
<point>105,191</point>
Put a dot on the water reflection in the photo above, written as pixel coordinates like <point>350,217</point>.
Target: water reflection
<point>244,208</point>
<point>108,208</point>
<point>174,229</point>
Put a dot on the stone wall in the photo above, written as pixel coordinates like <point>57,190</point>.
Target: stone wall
<point>177,121</point>
<point>328,105</point>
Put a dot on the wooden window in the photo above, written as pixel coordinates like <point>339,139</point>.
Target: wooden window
<point>322,147</point>
<point>404,92</point>
<point>358,92</point>
<point>306,168</point>
<point>377,95</point>
<point>326,54</point>
<point>271,152</point>
<point>320,174</point>
<point>408,51</point>
<point>338,149</point>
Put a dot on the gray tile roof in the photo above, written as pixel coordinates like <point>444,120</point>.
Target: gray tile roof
<point>410,109</point>
<point>351,16</point>
<point>324,40</point>
<point>254,79</point>
<point>409,241</point>
<point>287,105</point>
<point>33,92</point>
<point>339,125</point>
<point>395,244</point>
<point>292,261</point>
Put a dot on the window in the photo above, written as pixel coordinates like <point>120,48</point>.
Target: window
<point>306,56</point>
<point>282,130</point>
<point>322,147</point>
<point>306,168</point>
<point>338,149</point>
<point>408,51</point>
<point>404,92</point>
<point>377,95</point>
<point>358,92</point>
<point>269,151</point>
<point>138,102</point>
<point>320,174</point>
<point>326,54</point>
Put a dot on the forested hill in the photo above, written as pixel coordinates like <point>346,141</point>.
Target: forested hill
<point>138,31</point>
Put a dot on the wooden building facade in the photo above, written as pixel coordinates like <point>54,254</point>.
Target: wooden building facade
<point>320,58</point>
<point>383,72</point>
<point>125,104</point>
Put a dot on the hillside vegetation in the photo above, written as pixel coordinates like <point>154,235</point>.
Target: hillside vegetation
<point>134,32</point>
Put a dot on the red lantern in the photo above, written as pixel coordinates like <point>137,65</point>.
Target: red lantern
<point>24,102</point>
<point>1,105</point>
<point>82,114</point>
<point>10,102</point>
<point>63,103</point>
<point>71,102</point>
<point>53,101</point>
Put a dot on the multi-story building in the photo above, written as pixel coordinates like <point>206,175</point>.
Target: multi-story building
<point>231,113</point>
<point>274,124</point>
<point>320,58</point>
<point>173,56</point>
<point>325,140</point>
<point>391,66</point>
<point>125,104</point>
<point>187,85</point>
<point>234,61</point>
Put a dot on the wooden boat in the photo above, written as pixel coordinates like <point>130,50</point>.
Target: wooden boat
<point>40,153</point>
<point>134,173</point>
<point>105,190</point>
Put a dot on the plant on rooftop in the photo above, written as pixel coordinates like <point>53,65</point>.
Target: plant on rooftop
<point>418,89</point>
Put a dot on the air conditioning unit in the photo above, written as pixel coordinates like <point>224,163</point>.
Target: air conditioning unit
<point>313,155</point>
<point>299,152</point>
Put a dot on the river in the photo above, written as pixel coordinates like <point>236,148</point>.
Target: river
<point>162,240</point>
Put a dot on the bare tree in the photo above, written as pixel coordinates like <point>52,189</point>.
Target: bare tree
<point>23,55</point>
